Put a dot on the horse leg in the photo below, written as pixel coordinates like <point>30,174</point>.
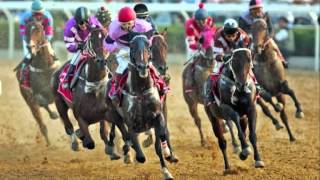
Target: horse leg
<point>84,127</point>
<point>140,157</point>
<point>228,113</point>
<point>268,97</point>
<point>287,90</point>
<point>267,112</point>
<point>35,110</point>
<point>236,146</point>
<point>158,147</point>
<point>52,114</point>
<point>284,117</point>
<point>218,132</point>
<point>172,158</point>
<point>62,108</point>
<point>109,144</point>
<point>252,117</point>
<point>193,109</point>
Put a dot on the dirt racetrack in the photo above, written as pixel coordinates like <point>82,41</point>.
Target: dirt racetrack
<point>24,155</point>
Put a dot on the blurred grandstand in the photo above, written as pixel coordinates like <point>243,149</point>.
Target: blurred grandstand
<point>301,14</point>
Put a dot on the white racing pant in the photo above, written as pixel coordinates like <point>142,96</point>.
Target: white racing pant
<point>75,58</point>
<point>216,67</point>
<point>123,59</point>
<point>190,52</point>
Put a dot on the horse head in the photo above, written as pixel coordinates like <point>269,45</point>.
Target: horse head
<point>159,51</point>
<point>207,44</point>
<point>240,64</point>
<point>140,54</point>
<point>94,46</point>
<point>35,36</point>
<point>259,34</point>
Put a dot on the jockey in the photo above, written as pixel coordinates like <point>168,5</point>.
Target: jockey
<point>118,41</point>
<point>194,27</point>
<point>255,12</point>
<point>37,13</point>
<point>142,12</point>
<point>76,32</point>
<point>104,17</point>
<point>227,39</point>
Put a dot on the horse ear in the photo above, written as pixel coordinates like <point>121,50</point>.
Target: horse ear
<point>165,32</point>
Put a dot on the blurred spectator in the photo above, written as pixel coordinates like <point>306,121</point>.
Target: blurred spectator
<point>285,37</point>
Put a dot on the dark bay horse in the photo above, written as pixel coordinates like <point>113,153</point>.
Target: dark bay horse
<point>159,50</point>
<point>194,76</point>
<point>141,107</point>
<point>41,68</point>
<point>270,72</point>
<point>235,100</point>
<point>89,93</point>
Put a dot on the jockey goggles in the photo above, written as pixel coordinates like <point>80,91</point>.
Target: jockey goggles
<point>81,23</point>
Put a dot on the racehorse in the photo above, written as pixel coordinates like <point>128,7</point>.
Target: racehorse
<point>270,72</point>
<point>40,68</point>
<point>235,95</point>
<point>159,50</point>
<point>88,94</point>
<point>194,76</point>
<point>141,107</point>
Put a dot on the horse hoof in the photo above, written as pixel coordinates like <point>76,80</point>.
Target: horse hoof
<point>166,174</point>
<point>75,146</point>
<point>109,150</point>
<point>278,107</point>
<point>89,144</point>
<point>203,143</point>
<point>172,159</point>
<point>245,153</point>
<point>141,159</point>
<point>148,142</point>
<point>79,134</point>
<point>259,164</point>
<point>278,126</point>
<point>292,139</point>
<point>114,156</point>
<point>127,159</point>
<point>54,115</point>
<point>299,115</point>
<point>236,149</point>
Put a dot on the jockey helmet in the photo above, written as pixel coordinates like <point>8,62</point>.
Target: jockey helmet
<point>255,4</point>
<point>201,13</point>
<point>37,6</point>
<point>126,14</point>
<point>141,10</point>
<point>230,26</point>
<point>103,16</point>
<point>82,15</point>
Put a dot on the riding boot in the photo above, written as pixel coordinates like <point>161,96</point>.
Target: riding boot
<point>66,84</point>
<point>209,97</point>
<point>24,64</point>
<point>114,94</point>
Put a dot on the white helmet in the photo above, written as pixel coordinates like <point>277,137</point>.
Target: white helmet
<point>230,26</point>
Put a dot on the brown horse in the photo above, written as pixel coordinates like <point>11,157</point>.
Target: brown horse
<point>141,107</point>
<point>41,68</point>
<point>194,76</point>
<point>235,95</point>
<point>159,50</point>
<point>270,72</point>
<point>89,93</point>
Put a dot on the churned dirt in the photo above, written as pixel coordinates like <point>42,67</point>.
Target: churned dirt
<point>24,154</point>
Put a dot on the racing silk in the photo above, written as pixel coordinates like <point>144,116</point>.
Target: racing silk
<point>193,31</point>
<point>118,38</point>
<point>154,27</point>
<point>46,21</point>
<point>246,20</point>
<point>222,46</point>
<point>74,35</point>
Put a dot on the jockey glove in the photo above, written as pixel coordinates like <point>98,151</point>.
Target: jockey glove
<point>81,46</point>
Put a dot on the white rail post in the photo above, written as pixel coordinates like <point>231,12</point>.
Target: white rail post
<point>11,32</point>
<point>314,17</point>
